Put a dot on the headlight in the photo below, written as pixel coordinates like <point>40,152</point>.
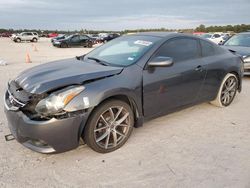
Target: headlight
<point>55,102</point>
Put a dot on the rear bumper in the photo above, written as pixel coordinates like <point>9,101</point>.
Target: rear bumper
<point>50,136</point>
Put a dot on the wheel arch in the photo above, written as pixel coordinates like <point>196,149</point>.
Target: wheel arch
<point>122,97</point>
<point>239,79</point>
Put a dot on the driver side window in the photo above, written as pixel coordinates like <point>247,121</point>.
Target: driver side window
<point>180,49</point>
<point>75,39</point>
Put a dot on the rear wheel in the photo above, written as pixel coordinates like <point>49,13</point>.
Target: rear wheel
<point>109,127</point>
<point>90,45</point>
<point>227,91</point>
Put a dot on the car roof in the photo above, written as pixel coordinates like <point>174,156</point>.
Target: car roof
<point>248,32</point>
<point>162,34</point>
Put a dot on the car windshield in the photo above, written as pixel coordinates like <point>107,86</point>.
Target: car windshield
<point>239,40</point>
<point>68,36</point>
<point>123,51</point>
<point>206,36</point>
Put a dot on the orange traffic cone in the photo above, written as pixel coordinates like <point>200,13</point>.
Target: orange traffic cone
<point>28,58</point>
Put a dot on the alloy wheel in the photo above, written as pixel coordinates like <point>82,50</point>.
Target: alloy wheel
<point>229,90</point>
<point>112,127</point>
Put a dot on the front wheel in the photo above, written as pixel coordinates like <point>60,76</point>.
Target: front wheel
<point>227,91</point>
<point>64,45</point>
<point>109,127</point>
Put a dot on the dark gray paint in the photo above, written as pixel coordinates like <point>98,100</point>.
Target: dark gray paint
<point>51,76</point>
<point>241,50</point>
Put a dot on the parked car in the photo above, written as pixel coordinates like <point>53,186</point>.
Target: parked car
<point>59,37</point>
<point>43,35</point>
<point>108,37</point>
<point>102,95</point>
<point>5,34</point>
<point>94,38</point>
<point>25,36</point>
<point>73,41</point>
<point>52,35</point>
<point>217,38</point>
<point>198,33</point>
<point>240,44</point>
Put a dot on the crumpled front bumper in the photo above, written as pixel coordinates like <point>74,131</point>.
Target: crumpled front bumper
<point>50,136</point>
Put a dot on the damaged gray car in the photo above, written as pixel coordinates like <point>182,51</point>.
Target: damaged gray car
<point>101,96</point>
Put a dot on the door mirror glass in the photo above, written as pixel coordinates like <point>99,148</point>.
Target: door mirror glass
<point>161,61</point>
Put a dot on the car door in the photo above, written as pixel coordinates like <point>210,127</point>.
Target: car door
<point>167,88</point>
<point>84,40</point>
<point>25,36</point>
<point>75,41</point>
<point>29,36</point>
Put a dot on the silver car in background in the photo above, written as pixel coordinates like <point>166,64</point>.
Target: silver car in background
<point>25,36</point>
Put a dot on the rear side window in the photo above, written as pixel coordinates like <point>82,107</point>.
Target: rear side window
<point>181,49</point>
<point>75,38</point>
<point>83,37</point>
<point>208,49</point>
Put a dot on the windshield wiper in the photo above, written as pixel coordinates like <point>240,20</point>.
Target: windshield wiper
<point>80,57</point>
<point>99,61</point>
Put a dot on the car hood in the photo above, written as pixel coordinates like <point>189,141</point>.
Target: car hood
<point>58,74</point>
<point>58,40</point>
<point>241,50</point>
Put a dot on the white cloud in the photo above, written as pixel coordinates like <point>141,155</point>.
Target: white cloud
<point>118,14</point>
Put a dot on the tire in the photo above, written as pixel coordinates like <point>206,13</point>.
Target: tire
<point>64,45</point>
<point>107,130</point>
<point>18,40</point>
<point>90,45</point>
<point>226,93</point>
<point>34,40</point>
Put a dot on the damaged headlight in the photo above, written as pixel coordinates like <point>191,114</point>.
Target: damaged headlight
<point>55,102</point>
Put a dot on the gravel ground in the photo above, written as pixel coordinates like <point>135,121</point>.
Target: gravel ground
<point>202,146</point>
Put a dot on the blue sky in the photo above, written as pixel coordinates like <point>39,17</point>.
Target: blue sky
<point>121,14</point>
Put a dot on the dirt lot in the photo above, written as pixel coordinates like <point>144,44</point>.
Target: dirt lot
<point>202,146</point>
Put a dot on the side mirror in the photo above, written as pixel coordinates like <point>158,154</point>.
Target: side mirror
<point>161,61</point>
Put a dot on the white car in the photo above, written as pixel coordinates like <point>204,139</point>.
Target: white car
<point>25,36</point>
<point>214,37</point>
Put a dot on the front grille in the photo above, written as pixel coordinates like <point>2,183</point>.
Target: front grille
<point>15,97</point>
<point>12,101</point>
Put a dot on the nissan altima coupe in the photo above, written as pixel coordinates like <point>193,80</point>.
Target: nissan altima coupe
<point>101,96</point>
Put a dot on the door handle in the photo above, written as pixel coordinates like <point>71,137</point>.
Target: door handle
<point>199,68</point>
